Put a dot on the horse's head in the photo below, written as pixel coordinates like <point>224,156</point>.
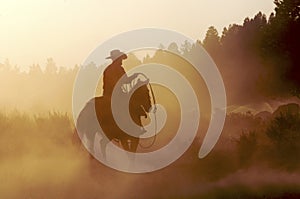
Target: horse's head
<point>140,101</point>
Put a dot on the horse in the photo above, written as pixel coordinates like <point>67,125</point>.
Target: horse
<point>97,114</point>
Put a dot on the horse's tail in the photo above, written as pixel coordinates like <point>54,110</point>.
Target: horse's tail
<point>87,122</point>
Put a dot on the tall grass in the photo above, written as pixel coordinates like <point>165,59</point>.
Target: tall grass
<point>38,160</point>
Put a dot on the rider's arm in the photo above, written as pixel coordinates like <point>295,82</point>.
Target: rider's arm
<point>128,79</point>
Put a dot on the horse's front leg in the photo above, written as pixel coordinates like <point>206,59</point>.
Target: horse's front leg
<point>134,142</point>
<point>130,146</point>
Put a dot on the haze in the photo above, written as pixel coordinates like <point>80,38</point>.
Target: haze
<point>68,30</point>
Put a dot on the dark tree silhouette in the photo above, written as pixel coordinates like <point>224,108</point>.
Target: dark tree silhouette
<point>282,42</point>
<point>262,55</point>
<point>212,41</point>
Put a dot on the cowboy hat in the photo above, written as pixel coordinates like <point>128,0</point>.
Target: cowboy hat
<point>115,54</point>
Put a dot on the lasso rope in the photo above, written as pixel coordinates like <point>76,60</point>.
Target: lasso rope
<point>155,118</point>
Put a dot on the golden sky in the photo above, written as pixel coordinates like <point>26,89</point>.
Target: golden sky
<point>68,30</point>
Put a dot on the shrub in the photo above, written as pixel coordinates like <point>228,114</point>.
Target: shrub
<point>246,145</point>
<point>284,133</point>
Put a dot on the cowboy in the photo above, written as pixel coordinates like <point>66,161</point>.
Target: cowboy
<point>114,72</point>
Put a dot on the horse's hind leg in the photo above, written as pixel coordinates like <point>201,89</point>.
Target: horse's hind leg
<point>91,149</point>
<point>103,143</point>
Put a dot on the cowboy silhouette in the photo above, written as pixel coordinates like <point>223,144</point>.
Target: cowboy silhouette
<point>114,72</point>
<point>114,78</point>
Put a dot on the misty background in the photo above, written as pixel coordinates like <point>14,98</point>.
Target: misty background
<point>257,155</point>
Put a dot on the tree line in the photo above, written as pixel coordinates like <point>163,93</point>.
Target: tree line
<point>259,60</point>
<point>262,53</point>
